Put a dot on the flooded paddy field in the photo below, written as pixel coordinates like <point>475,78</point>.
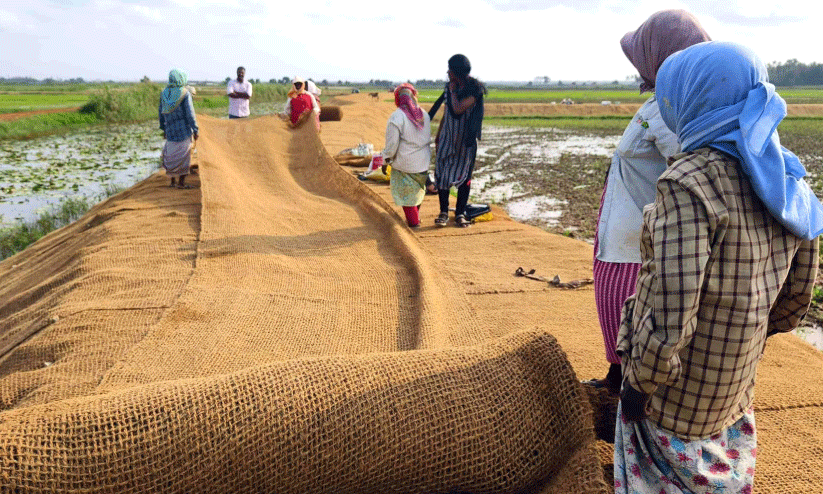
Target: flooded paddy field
<point>38,174</point>
<point>553,179</point>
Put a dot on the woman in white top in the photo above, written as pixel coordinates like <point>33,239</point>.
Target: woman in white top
<point>408,147</point>
<point>631,183</point>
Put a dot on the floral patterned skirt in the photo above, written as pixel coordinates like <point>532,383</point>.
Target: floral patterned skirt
<point>651,460</point>
<point>408,189</point>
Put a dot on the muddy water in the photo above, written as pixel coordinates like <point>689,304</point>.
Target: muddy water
<point>37,174</point>
<point>513,165</point>
<point>516,167</point>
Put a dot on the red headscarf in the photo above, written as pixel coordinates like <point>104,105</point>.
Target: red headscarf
<point>405,97</point>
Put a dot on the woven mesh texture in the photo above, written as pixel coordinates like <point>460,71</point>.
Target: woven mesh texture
<point>789,392</point>
<point>276,330</point>
<point>279,329</point>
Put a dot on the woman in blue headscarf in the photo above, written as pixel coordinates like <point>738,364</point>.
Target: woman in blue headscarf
<point>729,257</point>
<point>179,125</point>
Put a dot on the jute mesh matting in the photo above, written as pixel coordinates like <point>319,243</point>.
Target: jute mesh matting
<point>279,329</point>
<point>275,330</point>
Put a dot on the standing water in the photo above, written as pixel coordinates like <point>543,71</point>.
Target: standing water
<point>38,174</point>
<point>514,164</point>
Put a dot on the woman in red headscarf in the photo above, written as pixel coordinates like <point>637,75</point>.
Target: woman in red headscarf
<point>301,105</point>
<point>408,147</point>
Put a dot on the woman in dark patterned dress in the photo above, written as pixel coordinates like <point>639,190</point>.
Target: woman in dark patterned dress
<point>457,137</point>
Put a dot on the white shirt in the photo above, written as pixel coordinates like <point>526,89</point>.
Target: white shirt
<point>238,107</point>
<point>637,163</point>
<point>408,146</point>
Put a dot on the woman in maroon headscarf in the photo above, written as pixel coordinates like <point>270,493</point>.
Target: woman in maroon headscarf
<point>408,147</point>
<point>639,160</point>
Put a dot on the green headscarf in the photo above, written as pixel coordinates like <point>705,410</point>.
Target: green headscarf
<point>175,92</point>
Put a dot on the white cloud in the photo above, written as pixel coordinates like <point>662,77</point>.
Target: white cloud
<point>148,13</point>
<point>365,39</point>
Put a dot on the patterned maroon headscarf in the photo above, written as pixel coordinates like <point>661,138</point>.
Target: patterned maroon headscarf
<point>405,97</point>
<point>662,34</point>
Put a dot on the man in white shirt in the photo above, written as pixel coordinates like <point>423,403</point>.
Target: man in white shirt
<point>239,92</point>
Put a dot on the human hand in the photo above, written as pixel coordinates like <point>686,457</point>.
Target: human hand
<point>633,403</point>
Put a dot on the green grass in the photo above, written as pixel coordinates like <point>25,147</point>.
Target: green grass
<point>803,132</point>
<point>496,95</point>
<point>16,238</point>
<point>20,102</point>
<point>596,95</point>
<point>50,88</point>
<point>606,123</point>
<point>130,104</point>
<point>44,124</point>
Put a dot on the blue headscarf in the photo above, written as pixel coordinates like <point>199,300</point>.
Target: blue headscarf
<point>175,91</point>
<point>717,94</point>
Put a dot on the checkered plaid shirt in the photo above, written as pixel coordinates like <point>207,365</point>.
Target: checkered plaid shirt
<point>180,123</point>
<point>719,274</point>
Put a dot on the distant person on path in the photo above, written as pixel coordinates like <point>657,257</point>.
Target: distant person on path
<point>408,147</point>
<point>315,91</point>
<point>239,91</point>
<point>179,124</point>
<point>729,257</point>
<point>639,159</point>
<point>457,136</point>
<point>301,105</point>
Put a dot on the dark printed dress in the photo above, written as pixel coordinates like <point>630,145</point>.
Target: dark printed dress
<point>457,147</point>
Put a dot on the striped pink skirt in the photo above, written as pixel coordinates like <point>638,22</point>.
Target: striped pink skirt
<point>613,283</point>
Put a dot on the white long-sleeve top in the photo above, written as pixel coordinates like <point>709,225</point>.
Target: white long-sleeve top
<point>408,146</point>
<point>639,160</point>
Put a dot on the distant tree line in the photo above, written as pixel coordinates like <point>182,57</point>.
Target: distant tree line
<point>48,81</point>
<point>794,73</point>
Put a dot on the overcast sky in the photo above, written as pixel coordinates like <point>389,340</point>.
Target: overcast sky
<point>358,40</point>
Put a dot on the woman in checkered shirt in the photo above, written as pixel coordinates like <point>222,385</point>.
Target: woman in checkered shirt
<point>729,256</point>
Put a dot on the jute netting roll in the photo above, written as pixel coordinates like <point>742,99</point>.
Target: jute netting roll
<point>505,416</point>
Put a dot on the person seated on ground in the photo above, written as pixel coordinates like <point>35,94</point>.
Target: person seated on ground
<point>301,105</point>
<point>408,147</point>
<point>315,91</point>
<point>179,124</point>
<point>729,257</point>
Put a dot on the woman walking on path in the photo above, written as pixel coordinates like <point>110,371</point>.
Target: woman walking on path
<point>408,147</point>
<point>639,159</point>
<point>457,137</point>
<point>179,124</point>
<point>730,254</point>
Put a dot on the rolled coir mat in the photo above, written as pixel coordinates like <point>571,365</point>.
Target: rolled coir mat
<point>330,114</point>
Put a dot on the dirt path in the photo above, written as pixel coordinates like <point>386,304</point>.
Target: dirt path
<point>8,117</point>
